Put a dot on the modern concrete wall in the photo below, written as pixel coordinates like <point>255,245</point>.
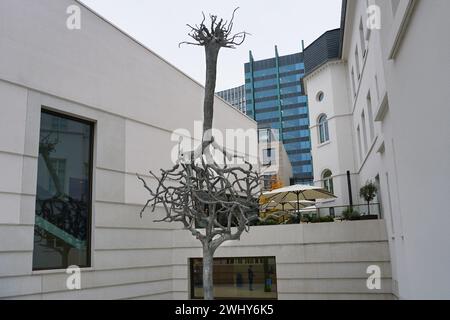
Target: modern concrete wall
<point>313,261</point>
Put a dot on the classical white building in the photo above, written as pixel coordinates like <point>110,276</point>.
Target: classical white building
<point>379,108</point>
<point>331,119</point>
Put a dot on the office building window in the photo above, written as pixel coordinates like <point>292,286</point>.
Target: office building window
<point>63,194</point>
<point>327,181</point>
<point>244,278</point>
<point>323,129</point>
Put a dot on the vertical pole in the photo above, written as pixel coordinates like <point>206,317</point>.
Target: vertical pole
<point>251,60</point>
<point>277,66</point>
<point>350,197</point>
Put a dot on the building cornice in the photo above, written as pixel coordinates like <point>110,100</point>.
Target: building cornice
<point>322,67</point>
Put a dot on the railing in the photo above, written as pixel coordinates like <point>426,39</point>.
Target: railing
<point>327,214</point>
<point>363,210</point>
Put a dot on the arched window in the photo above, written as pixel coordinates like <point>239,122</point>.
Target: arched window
<point>327,181</point>
<point>323,129</point>
<point>320,95</point>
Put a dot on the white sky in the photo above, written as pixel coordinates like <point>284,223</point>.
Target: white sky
<point>161,25</point>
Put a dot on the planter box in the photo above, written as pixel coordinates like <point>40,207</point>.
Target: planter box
<point>369,217</point>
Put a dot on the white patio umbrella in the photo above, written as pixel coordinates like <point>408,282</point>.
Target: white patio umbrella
<point>309,209</point>
<point>289,205</point>
<point>297,193</point>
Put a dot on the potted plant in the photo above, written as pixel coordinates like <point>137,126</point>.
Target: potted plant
<point>368,192</point>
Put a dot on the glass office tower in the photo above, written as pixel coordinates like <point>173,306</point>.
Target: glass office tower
<point>275,99</point>
<point>234,96</point>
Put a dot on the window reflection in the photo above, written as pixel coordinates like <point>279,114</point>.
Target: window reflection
<point>237,278</point>
<point>63,196</point>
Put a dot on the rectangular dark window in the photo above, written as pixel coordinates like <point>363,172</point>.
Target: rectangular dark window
<point>268,181</point>
<point>63,195</point>
<point>237,278</point>
<point>269,156</point>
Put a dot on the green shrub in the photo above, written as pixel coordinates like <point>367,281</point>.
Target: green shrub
<point>315,219</point>
<point>327,219</point>
<point>269,222</point>
<point>322,219</point>
<point>305,219</point>
<point>351,214</point>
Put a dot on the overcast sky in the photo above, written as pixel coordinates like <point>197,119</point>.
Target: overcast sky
<point>161,25</point>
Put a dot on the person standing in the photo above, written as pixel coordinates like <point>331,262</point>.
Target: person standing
<point>250,278</point>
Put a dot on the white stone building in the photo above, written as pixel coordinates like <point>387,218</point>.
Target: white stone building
<point>385,97</point>
<point>331,119</point>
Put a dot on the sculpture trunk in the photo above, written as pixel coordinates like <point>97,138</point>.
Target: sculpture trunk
<point>212,53</point>
<point>208,287</point>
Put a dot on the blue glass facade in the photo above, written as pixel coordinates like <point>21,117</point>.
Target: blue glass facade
<point>275,99</point>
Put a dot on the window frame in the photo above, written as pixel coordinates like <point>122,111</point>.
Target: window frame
<point>328,180</point>
<point>91,124</point>
<point>191,272</point>
<point>320,96</point>
<point>269,156</point>
<point>323,128</point>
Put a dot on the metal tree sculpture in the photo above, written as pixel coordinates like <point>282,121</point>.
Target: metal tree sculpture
<point>215,202</point>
